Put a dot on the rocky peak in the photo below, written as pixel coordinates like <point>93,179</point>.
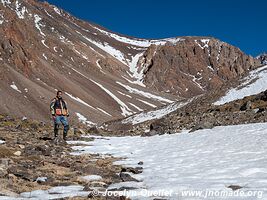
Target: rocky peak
<point>263,58</point>
<point>194,65</point>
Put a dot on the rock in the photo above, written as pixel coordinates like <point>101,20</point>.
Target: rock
<point>41,179</point>
<point>80,131</point>
<point>18,127</point>
<point>2,141</point>
<point>5,152</point>
<point>157,127</point>
<point>136,170</point>
<point>93,130</point>
<point>181,62</point>
<point>64,164</point>
<point>34,126</point>
<point>263,58</point>
<point>3,172</point>
<point>42,124</point>
<point>98,184</point>
<point>151,133</point>
<point>24,119</point>
<point>117,198</point>
<point>141,163</point>
<point>246,106</point>
<point>89,169</point>
<point>127,177</point>
<point>12,178</point>
<point>204,125</point>
<point>59,141</point>
<point>264,96</point>
<point>123,188</point>
<point>256,110</point>
<point>17,153</point>
<point>23,175</point>
<point>4,162</point>
<point>21,146</point>
<point>234,187</point>
<point>102,162</point>
<point>46,138</point>
<point>37,150</point>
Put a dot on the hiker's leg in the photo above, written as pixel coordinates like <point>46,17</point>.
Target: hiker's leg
<point>56,125</point>
<point>65,123</point>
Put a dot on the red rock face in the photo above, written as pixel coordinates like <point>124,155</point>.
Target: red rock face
<point>102,74</point>
<point>194,66</point>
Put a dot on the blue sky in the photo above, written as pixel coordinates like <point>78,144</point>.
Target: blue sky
<point>242,23</point>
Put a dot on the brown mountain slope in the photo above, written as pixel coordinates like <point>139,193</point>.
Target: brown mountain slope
<point>104,75</point>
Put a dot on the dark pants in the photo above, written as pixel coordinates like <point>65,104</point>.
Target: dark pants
<point>61,120</point>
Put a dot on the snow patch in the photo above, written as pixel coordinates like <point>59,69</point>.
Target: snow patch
<point>104,112</point>
<point>194,80</point>
<point>57,11</point>
<point>38,25</point>
<point>155,114</point>
<point>43,41</point>
<point>210,159</point>
<point>92,178</point>
<point>83,56</point>
<point>135,106</point>
<point>209,67</point>
<point>98,65</point>
<point>48,14</point>
<point>5,2</point>
<point>254,83</point>
<point>205,43</point>
<point>138,75</point>
<point>44,56</point>
<point>138,42</point>
<point>147,103</point>
<point>20,11</point>
<point>145,94</point>
<point>58,192</point>
<point>124,94</point>
<point>13,86</point>
<point>219,53</point>
<point>1,18</point>
<point>2,141</point>
<point>41,179</point>
<point>79,100</point>
<point>84,120</point>
<point>108,49</point>
<point>124,108</point>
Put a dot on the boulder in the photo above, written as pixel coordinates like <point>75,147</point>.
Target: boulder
<point>127,177</point>
<point>134,170</point>
<point>203,125</point>
<point>17,153</point>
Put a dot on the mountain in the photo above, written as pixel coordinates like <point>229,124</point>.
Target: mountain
<point>104,75</point>
<point>263,58</point>
<point>241,102</point>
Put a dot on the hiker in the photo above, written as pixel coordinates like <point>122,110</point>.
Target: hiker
<point>59,111</point>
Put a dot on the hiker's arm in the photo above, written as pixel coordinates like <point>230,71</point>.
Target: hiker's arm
<point>67,109</point>
<point>52,110</point>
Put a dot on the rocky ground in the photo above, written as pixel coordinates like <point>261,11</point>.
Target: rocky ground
<point>29,153</point>
<point>30,158</point>
<point>199,114</point>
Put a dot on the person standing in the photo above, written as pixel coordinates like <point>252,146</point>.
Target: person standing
<point>59,111</point>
